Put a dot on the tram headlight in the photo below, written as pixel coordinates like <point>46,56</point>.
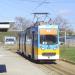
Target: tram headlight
<point>42,48</point>
<point>55,47</point>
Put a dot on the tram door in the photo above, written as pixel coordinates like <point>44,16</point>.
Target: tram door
<point>33,45</point>
<point>28,44</point>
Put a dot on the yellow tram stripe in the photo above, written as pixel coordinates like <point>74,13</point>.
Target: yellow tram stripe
<point>48,51</point>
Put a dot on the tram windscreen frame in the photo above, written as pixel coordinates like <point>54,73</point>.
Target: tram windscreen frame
<point>48,39</point>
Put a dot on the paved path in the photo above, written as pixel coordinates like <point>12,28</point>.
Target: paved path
<point>16,65</point>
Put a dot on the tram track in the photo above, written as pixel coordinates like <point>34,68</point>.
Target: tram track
<point>56,69</point>
<point>60,70</point>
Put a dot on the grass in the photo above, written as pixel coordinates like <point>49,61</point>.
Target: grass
<point>3,34</point>
<point>12,48</point>
<point>68,53</point>
<point>65,52</point>
<point>9,47</point>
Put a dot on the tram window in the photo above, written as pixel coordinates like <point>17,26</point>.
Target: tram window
<point>35,36</point>
<point>48,39</point>
<point>28,38</point>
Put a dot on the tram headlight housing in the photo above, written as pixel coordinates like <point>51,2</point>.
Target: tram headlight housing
<point>42,48</point>
<point>55,47</point>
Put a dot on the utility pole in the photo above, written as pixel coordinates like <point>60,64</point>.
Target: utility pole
<point>65,37</point>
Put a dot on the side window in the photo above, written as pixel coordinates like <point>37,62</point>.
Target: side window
<point>28,38</point>
<point>36,36</point>
<point>23,36</point>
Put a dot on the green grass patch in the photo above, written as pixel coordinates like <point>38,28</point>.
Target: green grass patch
<point>68,53</point>
<point>9,33</point>
<point>3,34</point>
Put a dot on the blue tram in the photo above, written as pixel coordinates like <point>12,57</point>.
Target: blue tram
<point>40,42</point>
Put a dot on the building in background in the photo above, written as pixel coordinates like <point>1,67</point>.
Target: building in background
<point>4,26</point>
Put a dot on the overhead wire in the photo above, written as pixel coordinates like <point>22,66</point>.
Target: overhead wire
<point>35,1</point>
<point>41,3</point>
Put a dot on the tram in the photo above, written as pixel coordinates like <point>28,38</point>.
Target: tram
<point>40,42</point>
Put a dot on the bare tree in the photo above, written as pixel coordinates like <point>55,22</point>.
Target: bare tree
<point>21,23</point>
<point>64,25</point>
<point>12,26</point>
<point>61,22</point>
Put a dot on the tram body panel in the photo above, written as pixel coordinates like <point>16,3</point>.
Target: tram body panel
<point>45,50</point>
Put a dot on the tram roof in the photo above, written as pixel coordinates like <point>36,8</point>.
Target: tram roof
<point>48,26</point>
<point>44,26</point>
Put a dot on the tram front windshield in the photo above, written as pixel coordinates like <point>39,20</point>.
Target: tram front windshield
<point>48,39</point>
